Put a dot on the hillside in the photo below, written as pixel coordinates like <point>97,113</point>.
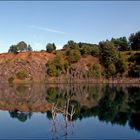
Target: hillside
<point>34,65</point>
<point>111,61</point>
<point>39,67</point>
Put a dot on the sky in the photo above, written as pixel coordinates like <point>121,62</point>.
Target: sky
<point>41,22</point>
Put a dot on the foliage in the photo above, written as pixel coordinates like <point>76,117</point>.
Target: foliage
<point>120,43</point>
<point>60,62</point>
<point>74,55</point>
<point>10,80</point>
<point>50,47</point>
<point>134,70</point>
<point>135,58</point>
<point>94,71</point>
<point>29,48</point>
<point>51,69</point>
<point>21,74</point>
<point>89,49</point>
<point>71,45</point>
<point>108,53</point>
<point>111,70</point>
<point>134,41</point>
<point>57,66</point>
<point>121,65</point>
<point>13,48</point>
<point>20,47</point>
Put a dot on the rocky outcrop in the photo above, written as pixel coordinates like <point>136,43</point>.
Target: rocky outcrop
<point>33,63</point>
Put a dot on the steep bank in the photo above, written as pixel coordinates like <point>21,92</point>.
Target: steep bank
<point>33,63</point>
<point>32,67</point>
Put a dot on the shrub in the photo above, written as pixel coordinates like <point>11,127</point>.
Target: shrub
<point>74,55</point>
<point>21,74</point>
<point>94,71</point>
<point>60,62</point>
<point>10,80</point>
<point>51,69</point>
<point>134,71</point>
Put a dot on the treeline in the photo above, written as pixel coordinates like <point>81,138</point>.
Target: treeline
<point>120,44</point>
<point>117,56</point>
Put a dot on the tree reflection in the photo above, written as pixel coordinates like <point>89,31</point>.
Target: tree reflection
<point>21,116</point>
<point>116,104</point>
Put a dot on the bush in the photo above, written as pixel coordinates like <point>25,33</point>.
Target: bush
<point>51,69</point>
<point>121,65</point>
<point>94,71</point>
<point>60,62</point>
<point>74,55</point>
<point>57,66</point>
<point>21,74</point>
<point>10,80</point>
<point>134,71</point>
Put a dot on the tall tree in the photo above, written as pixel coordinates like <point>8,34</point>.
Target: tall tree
<point>108,53</point>
<point>120,43</point>
<point>22,46</point>
<point>134,41</point>
<point>50,47</point>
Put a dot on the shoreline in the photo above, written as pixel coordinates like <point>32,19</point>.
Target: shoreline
<point>75,81</point>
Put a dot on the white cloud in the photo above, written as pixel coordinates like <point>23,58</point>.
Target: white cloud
<point>58,47</point>
<point>47,29</point>
<point>38,46</point>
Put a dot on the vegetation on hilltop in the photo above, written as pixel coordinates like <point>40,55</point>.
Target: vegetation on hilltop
<point>115,58</point>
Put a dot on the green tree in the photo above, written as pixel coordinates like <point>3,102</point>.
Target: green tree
<point>71,45</point>
<point>29,48</point>
<point>120,43</point>
<point>60,62</point>
<point>13,49</point>
<point>51,69</point>
<point>121,64</point>
<point>50,47</point>
<point>74,55</point>
<point>134,41</point>
<point>112,70</point>
<point>94,71</point>
<point>22,46</point>
<point>108,53</point>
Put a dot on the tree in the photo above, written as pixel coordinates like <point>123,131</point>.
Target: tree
<point>120,43</point>
<point>29,48</point>
<point>13,48</point>
<point>134,41</point>
<point>60,62</point>
<point>112,70</point>
<point>74,55</point>
<point>108,53</point>
<point>50,47</point>
<point>51,69</point>
<point>22,46</point>
<point>94,71</point>
<point>71,44</point>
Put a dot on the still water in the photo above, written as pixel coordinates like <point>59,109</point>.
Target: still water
<point>46,111</point>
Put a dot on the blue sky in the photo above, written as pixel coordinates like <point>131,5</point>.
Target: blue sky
<point>39,23</point>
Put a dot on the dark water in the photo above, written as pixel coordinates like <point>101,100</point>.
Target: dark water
<point>69,111</point>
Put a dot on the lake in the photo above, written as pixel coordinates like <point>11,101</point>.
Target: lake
<point>74,111</point>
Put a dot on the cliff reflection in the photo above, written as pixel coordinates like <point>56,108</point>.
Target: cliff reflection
<point>116,104</point>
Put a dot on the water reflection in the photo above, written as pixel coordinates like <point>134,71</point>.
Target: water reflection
<point>116,104</point>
